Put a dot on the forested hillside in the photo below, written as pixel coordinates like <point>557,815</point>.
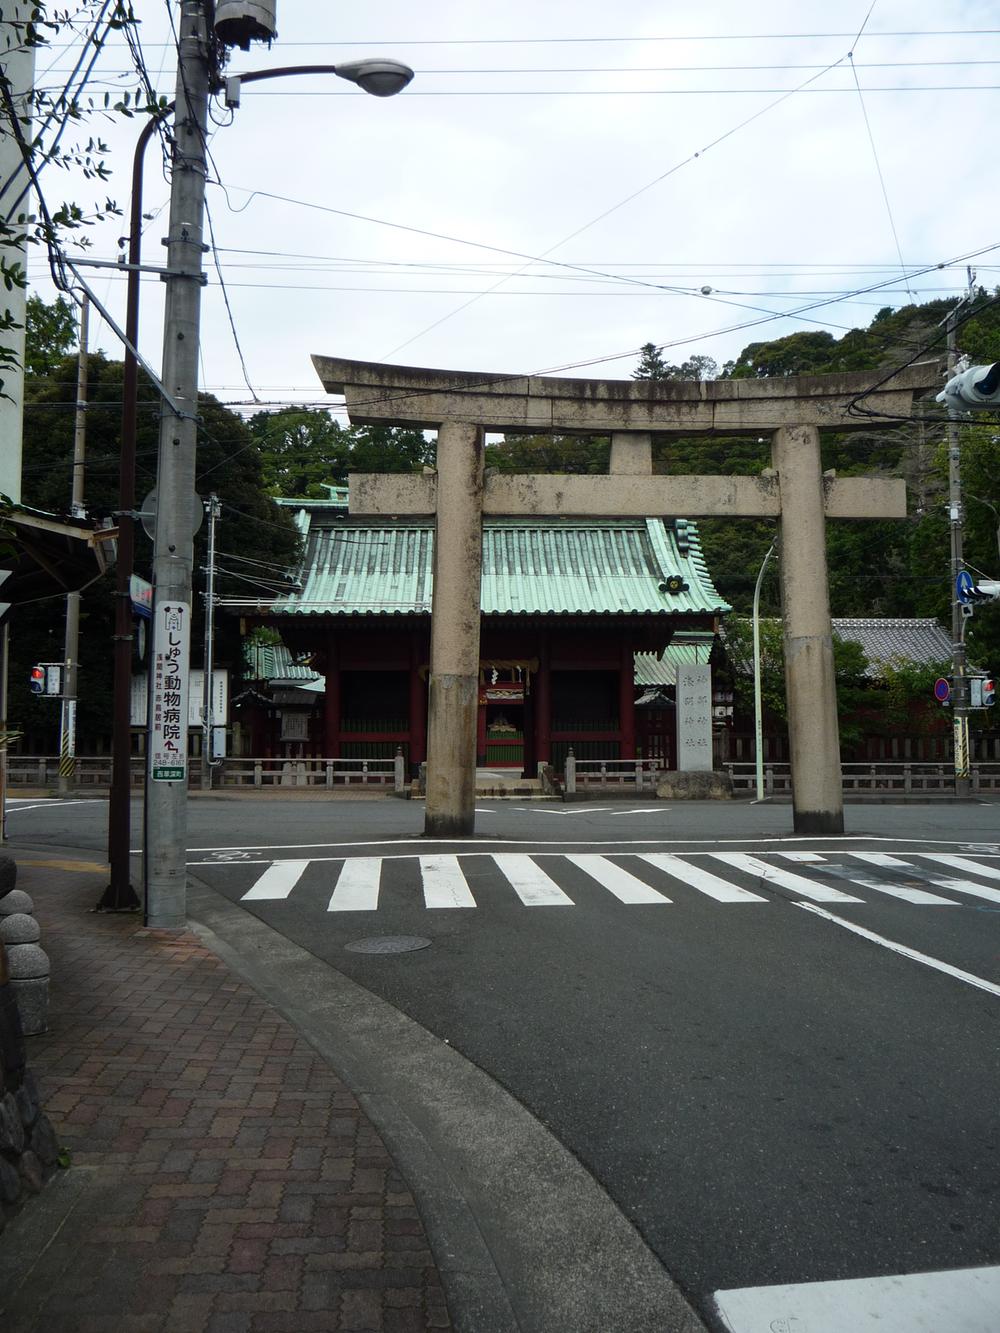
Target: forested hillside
<point>895,568</point>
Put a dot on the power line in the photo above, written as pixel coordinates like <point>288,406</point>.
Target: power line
<point>639,39</point>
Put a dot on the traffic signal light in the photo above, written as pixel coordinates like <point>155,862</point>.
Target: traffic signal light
<point>47,678</point>
<point>979,386</point>
<point>981,692</point>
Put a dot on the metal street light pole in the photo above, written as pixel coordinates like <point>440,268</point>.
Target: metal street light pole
<point>119,895</point>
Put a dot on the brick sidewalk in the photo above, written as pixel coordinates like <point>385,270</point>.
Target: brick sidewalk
<point>232,1181</point>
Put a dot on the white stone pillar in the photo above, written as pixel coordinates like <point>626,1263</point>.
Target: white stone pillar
<point>810,685</point>
<point>453,696</point>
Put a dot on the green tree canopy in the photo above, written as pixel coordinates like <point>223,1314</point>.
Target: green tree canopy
<point>303,452</point>
<point>256,540</point>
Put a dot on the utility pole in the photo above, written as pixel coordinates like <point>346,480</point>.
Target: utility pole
<point>165,843</point>
<point>213,509</point>
<point>67,728</point>
<point>960,680</point>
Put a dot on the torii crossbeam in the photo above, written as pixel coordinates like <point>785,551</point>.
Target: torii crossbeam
<point>463,405</point>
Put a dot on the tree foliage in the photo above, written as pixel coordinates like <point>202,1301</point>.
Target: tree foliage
<point>888,568</point>
<point>256,541</point>
<point>304,452</point>
<point>38,123</point>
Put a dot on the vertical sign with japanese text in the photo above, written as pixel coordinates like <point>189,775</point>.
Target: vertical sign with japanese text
<point>169,692</point>
<point>694,718</point>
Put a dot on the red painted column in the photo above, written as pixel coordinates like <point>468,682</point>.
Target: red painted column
<point>543,703</point>
<point>331,705</point>
<point>626,700</point>
<point>418,704</point>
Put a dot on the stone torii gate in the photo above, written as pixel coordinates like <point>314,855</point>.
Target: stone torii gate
<point>463,405</point>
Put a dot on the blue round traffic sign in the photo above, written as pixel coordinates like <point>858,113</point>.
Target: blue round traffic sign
<point>942,690</point>
<point>964,584</point>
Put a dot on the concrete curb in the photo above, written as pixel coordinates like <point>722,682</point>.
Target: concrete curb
<point>524,1237</point>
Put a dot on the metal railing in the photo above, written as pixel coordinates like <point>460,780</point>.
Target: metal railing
<point>878,779</point>
<point>94,772</point>
<point>594,775</point>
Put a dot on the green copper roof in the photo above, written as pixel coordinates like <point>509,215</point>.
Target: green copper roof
<point>530,567</point>
<point>273,661</point>
<point>661,668</point>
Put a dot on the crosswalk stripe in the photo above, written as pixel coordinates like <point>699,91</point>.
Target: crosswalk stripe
<point>277,881</point>
<point>810,857</point>
<point>625,887</point>
<point>444,883</point>
<point>881,859</point>
<point>529,882</point>
<point>702,880</point>
<point>962,863</point>
<point>357,885</point>
<point>904,892</point>
<point>786,879</point>
<point>967,886</point>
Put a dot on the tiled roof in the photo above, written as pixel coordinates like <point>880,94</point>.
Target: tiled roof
<point>922,642</point>
<point>273,661</point>
<point>883,640</point>
<point>653,669</point>
<point>536,567</point>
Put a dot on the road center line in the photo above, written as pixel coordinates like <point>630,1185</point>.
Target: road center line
<point>979,982</point>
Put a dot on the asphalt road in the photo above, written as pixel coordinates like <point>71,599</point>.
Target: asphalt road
<point>769,1095</point>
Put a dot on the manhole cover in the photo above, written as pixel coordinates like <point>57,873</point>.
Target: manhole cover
<point>388,944</point>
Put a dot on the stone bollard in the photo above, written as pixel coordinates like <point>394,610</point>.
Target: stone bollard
<point>28,965</point>
<point>16,901</point>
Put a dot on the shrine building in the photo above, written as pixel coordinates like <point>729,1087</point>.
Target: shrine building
<point>576,615</point>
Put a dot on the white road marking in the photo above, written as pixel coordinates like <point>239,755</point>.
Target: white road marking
<point>694,844</point>
<point>277,881</point>
<point>961,1300</point>
<point>45,803</point>
<point>970,980</point>
<point>810,857</point>
<point>530,882</point>
<point>904,892</point>
<point>357,885</point>
<point>444,883</point>
<point>545,810</point>
<point>962,863</point>
<point>702,880</point>
<point>967,886</point>
<point>881,859</point>
<point>625,887</point>
<point>785,879</point>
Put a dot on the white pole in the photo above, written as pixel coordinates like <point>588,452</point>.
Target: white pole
<point>757,711</point>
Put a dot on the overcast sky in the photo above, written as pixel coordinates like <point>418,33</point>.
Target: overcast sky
<point>659,146</point>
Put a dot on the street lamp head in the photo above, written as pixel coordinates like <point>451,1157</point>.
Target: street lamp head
<point>381,78</point>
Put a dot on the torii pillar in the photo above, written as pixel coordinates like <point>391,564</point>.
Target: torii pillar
<point>462,404</point>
